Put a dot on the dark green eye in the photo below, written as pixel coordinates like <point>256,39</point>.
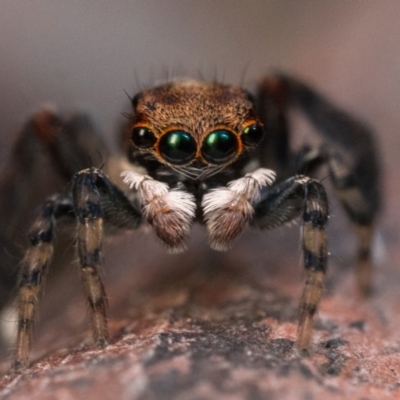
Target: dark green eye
<point>252,135</point>
<point>177,147</point>
<point>143,137</point>
<point>219,146</point>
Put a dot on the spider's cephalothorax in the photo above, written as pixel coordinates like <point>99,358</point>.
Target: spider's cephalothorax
<point>195,127</point>
<point>196,137</point>
<point>202,152</point>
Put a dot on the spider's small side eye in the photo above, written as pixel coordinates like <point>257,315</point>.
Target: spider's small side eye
<point>143,137</point>
<point>252,135</point>
<point>177,147</point>
<point>219,146</point>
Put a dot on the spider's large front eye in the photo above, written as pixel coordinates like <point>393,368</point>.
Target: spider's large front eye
<point>219,146</point>
<point>143,137</point>
<point>252,135</point>
<point>177,147</point>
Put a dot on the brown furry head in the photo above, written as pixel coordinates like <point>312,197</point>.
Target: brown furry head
<point>187,121</point>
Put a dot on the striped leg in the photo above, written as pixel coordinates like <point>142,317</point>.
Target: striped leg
<point>359,197</point>
<point>90,240</point>
<point>95,199</point>
<point>282,204</point>
<point>70,146</point>
<point>32,272</point>
<point>352,155</point>
<point>315,218</point>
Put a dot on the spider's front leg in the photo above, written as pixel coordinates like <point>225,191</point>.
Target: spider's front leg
<point>98,201</point>
<point>95,202</point>
<point>89,241</point>
<point>227,210</point>
<point>46,140</point>
<point>170,212</point>
<point>348,148</point>
<point>282,204</point>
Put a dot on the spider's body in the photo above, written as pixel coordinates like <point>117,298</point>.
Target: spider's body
<point>198,108</point>
<point>195,137</point>
<point>202,152</point>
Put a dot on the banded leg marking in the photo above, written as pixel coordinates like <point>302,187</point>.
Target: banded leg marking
<point>352,156</point>
<point>283,203</point>
<point>32,273</point>
<point>361,201</point>
<point>90,240</point>
<point>315,218</point>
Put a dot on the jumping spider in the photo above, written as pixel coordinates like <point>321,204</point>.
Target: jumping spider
<point>202,152</point>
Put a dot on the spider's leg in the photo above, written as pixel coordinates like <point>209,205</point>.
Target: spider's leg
<point>308,160</point>
<point>283,203</point>
<point>355,201</point>
<point>355,197</point>
<point>73,144</point>
<point>33,269</point>
<point>18,174</point>
<point>95,201</point>
<point>98,201</point>
<point>350,151</point>
<point>69,146</point>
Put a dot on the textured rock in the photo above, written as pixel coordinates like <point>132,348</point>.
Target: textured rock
<point>210,328</point>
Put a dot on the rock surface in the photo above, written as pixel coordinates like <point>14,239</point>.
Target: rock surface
<point>207,325</point>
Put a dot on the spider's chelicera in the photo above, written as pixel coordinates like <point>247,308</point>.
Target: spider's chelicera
<point>203,152</point>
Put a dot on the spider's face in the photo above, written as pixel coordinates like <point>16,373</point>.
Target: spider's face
<point>194,124</point>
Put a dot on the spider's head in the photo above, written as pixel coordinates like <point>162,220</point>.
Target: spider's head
<point>195,124</point>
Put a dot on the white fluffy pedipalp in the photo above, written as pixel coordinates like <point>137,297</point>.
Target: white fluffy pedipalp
<point>170,212</point>
<point>227,210</point>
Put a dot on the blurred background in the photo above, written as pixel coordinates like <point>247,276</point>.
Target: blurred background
<point>84,55</point>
